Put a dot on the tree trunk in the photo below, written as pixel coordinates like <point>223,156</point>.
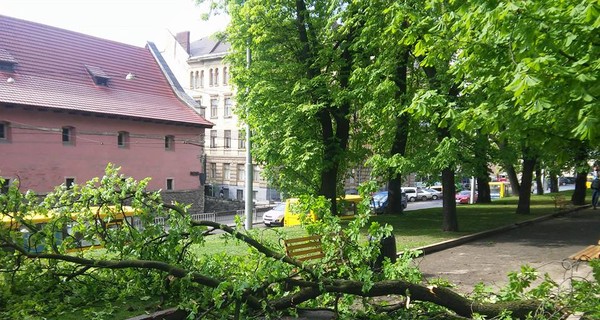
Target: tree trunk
<point>511,173</point>
<point>582,168</point>
<point>481,151</point>
<point>400,136</point>
<point>539,186</point>
<point>484,195</point>
<point>450,222</point>
<point>523,206</point>
<point>553,182</point>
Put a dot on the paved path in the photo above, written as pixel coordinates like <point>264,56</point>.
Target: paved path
<point>545,245</point>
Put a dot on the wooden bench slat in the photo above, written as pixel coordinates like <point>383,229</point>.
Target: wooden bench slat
<point>590,252</point>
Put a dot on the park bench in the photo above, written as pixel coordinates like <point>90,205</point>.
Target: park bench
<point>304,248</point>
<point>587,254</point>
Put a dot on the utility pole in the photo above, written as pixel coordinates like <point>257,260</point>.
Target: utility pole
<point>249,167</point>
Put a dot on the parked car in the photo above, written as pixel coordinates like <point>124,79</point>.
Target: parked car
<point>415,193</point>
<point>380,201</point>
<point>275,215</point>
<point>435,194</point>
<point>464,196</point>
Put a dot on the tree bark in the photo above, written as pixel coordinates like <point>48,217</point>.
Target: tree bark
<point>400,135</point>
<point>524,206</point>
<point>582,168</point>
<point>511,173</point>
<point>450,218</point>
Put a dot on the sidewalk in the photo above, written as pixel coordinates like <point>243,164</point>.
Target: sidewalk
<point>544,244</point>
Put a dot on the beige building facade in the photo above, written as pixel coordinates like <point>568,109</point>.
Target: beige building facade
<point>200,67</point>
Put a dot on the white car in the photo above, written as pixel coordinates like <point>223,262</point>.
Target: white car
<point>274,216</point>
<point>435,194</point>
<point>416,193</point>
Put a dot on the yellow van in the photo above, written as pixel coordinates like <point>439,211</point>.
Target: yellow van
<point>291,216</point>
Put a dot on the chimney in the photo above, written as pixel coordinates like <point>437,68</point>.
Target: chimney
<point>184,40</point>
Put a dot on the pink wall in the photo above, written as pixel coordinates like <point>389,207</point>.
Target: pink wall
<point>37,157</point>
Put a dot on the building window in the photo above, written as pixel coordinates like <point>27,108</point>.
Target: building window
<point>241,172</point>
<point>216,83</point>
<point>192,81</point>
<point>214,104</point>
<point>123,139</point>
<point>169,183</point>
<point>225,76</point>
<point>213,170</point>
<point>213,138</point>
<point>68,135</point>
<point>4,132</point>
<point>226,171</point>
<point>228,106</point>
<point>227,140</point>
<point>241,139</point>
<point>169,143</point>
<point>4,185</point>
<point>69,182</point>
<point>240,194</point>
<point>210,77</point>
<point>202,79</point>
<point>255,174</point>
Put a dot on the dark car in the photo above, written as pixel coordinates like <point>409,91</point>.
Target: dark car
<point>380,201</point>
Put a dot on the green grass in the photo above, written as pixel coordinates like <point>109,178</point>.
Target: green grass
<point>412,229</point>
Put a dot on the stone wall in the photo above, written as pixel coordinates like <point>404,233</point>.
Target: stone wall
<point>194,197</point>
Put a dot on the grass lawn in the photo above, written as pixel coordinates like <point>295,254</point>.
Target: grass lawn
<point>413,229</point>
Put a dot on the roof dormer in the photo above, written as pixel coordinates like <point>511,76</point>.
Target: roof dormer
<point>98,75</point>
<point>7,61</point>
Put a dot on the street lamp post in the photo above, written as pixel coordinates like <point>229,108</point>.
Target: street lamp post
<point>249,167</point>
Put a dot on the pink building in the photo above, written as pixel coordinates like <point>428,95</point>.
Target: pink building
<point>72,103</point>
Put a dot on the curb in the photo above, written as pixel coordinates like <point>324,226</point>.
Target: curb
<point>443,245</point>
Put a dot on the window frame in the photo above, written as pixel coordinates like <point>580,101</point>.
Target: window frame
<point>226,171</point>
<point>227,110</point>
<point>4,132</point>
<point>214,107</point>
<point>227,139</point>
<point>241,139</point>
<point>68,135</point>
<point>123,139</point>
<point>213,139</point>
<point>169,143</point>
<point>69,182</point>
<point>170,184</point>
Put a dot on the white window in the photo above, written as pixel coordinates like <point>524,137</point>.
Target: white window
<point>241,172</point>
<point>214,105</point>
<point>213,170</point>
<point>210,77</point>
<point>228,106</point>
<point>255,173</point>
<point>213,138</point>
<point>225,76</point>
<point>192,81</point>
<point>241,139</point>
<point>226,171</point>
<point>227,139</point>
<point>216,83</point>
<point>197,81</point>
<point>202,79</point>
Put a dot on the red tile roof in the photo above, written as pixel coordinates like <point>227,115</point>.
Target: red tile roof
<point>52,72</point>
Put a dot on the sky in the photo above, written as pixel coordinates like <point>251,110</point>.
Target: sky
<point>129,21</point>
